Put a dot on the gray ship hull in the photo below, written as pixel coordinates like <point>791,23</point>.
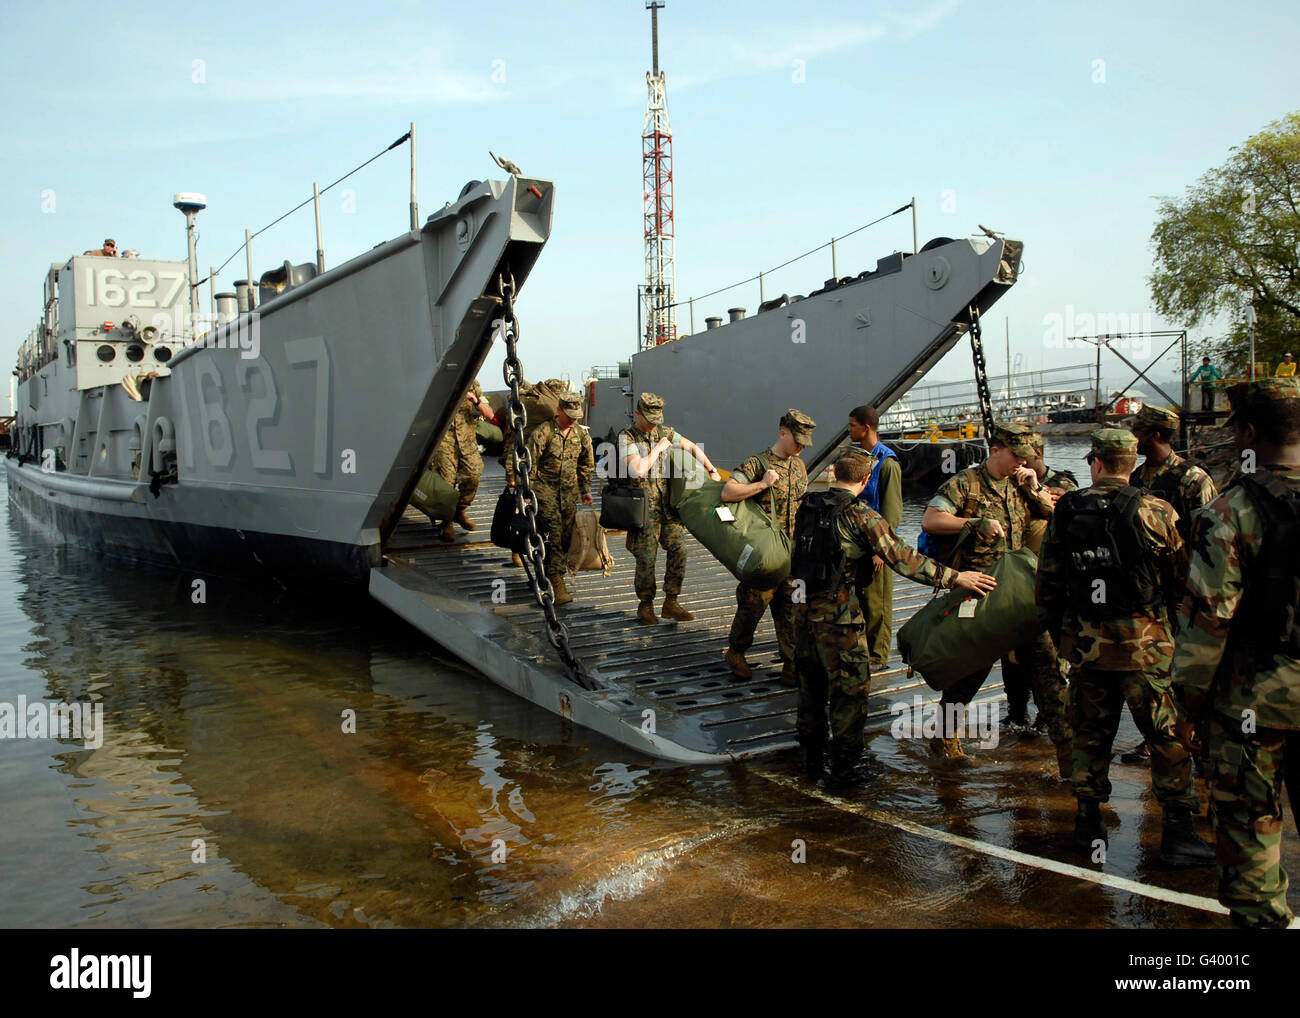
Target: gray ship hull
<point>293,452</point>
<point>864,339</point>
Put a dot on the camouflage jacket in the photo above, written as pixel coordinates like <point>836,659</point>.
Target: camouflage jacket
<point>563,465</point>
<point>1195,489</point>
<point>784,495</point>
<point>634,440</point>
<point>1128,644</point>
<point>974,493</point>
<point>863,533</point>
<point>1062,479</point>
<point>1227,537</point>
<point>461,432</point>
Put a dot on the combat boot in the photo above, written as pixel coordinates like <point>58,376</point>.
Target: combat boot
<point>814,763</point>
<point>1088,827</point>
<point>1139,754</point>
<point>562,595</point>
<point>1065,760</point>
<point>515,560</point>
<point>448,531</point>
<point>947,749</point>
<point>645,614</point>
<point>673,610</point>
<point>465,522</point>
<point>1180,845</point>
<point>846,772</point>
<point>738,665</point>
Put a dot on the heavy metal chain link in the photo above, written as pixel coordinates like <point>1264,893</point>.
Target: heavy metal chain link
<point>525,503</point>
<point>981,373</point>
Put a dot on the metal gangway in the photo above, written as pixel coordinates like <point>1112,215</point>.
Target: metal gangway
<point>1025,395</point>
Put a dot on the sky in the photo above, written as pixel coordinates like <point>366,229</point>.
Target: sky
<point>1061,125</point>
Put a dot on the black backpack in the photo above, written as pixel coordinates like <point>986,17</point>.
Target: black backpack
<point>1270,607</point>
<point>1104,540</point>
<point>1168,486</point>
<point>817,556</point>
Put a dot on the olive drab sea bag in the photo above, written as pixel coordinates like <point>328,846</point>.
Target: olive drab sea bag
<point>960,632</point>
<point>433,496</point>
<point>751,545</point>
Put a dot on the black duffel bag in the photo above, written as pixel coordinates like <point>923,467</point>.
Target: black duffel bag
<point>623,506</point>
<point>510,527</point>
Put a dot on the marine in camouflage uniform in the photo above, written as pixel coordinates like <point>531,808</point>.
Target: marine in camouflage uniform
<point>664,528</point>
<point>528,393</point>
<point>1246,683</point>
<point>781,502</point>
<point>458,459</point>
<point>975,494</point>
<point>563,466</point>
<point>831,651</point>
<point>1121,659</point>
<point>1017,680</point>
<point>1183,485</point>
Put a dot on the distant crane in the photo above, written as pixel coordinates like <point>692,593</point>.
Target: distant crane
<point>657,195</point>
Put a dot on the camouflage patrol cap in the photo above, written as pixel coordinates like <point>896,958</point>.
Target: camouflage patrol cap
<point>800,426</point>
<point>651,407</point>
<point>1154,417</point>
<point>556,384</point>
<point>1109,441</point>
<point>1244,394</point>
<point>1016,437</point>
<point>1036,440</point>
<point>571,404</point>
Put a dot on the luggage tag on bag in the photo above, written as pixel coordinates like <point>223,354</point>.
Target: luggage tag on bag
<point>725,514</point>
<point>967,609</point>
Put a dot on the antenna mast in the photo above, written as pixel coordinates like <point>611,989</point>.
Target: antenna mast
<point>657,193</point>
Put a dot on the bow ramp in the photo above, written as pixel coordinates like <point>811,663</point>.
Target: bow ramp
<point>661,690</point>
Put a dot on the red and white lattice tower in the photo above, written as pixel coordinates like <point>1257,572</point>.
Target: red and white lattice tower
<point>657,191</point>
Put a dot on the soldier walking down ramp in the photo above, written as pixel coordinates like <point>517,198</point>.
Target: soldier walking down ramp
<point>1237,663</point>
<point>563,466</point>
<point>458,459</point>
<point>990,502</point>
<point>1107,582</point>
<point>884,494</point>
<point>642,450</point>
<point>777,479</point>
<point>833,531</point>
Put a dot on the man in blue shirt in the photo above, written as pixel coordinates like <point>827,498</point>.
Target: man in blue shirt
<point>884,493</point>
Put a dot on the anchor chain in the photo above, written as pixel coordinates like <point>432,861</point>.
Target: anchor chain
<point>981,373</point>
<point>525,503</point>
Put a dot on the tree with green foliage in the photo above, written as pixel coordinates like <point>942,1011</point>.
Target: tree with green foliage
<point>1233,241</point>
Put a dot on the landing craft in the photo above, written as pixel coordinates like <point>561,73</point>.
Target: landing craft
<point>288,438</point>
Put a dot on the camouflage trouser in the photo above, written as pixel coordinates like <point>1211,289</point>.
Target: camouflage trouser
<point>1246,776</point>
<point>1036,668</point>
<point>750,605</point>
<point>832,664</point>
<point>560,511</point>
<point>662,529</point>
<point>462,472</point>
<point>877,601</point>
<point>1097,700</point>
<point>1036,665</point>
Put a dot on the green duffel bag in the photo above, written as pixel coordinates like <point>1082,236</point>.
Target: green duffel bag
<point>435,497</point>
<point>488,433</point>
<point>752,546</point>
<point>946,643</point>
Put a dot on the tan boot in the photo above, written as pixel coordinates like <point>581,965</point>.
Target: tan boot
<point>645,614</point>
<point>737,663</point>
<point>947,749</point>
<point>465,522</point>
<point>673,610</point>
<point>515,560</point>
<point>448,532</point>
<point>562,595</point>
<point>1065,760</point>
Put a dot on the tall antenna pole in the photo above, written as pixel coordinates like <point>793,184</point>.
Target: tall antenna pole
<point>657,198</point>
